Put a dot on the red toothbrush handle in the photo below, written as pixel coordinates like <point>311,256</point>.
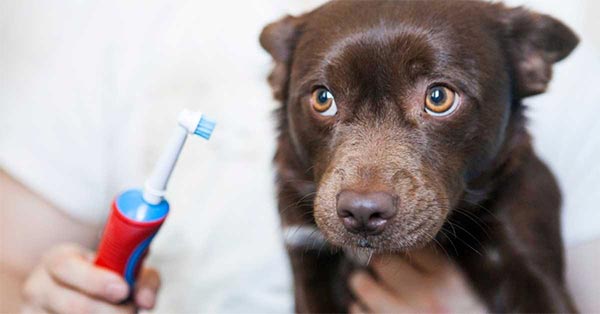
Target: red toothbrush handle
<point>125,243</point>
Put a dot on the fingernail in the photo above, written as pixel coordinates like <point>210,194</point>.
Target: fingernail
<point>117,291</point>
<point>145,298</point>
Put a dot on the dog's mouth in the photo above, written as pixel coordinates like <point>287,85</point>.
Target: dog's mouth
<point>407,230</point>
<point>365,243</point>
<point>380,201</point>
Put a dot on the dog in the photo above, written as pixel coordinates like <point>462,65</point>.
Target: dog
<point>402,120</point>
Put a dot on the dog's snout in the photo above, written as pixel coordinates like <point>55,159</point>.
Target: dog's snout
<point>365,212</point>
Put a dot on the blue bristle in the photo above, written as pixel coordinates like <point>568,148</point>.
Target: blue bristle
<point>205,127</point>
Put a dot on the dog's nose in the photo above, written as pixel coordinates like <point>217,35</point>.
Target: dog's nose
<point>366,212</point>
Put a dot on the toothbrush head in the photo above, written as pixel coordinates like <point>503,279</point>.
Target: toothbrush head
<point>205,127</point>
<point>196,123</point>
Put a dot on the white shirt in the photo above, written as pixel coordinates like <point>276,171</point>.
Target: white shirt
<point>89,96</point>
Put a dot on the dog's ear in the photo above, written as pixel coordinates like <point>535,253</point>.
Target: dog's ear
<point>536,42</point>
<point>279,39</point>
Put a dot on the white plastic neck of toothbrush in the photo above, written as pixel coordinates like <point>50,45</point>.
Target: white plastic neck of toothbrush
<point>156,186</point>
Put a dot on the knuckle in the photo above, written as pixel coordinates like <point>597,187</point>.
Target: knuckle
<point>58,265</point>
<point>57,254</point>
<point>156,276</point>
<point>79,305</point>
<point>152,271</point>
<point>67,249</point>
<point>150,278</point>
<point>33,288</point>
<point>358,280</point>
<point>28,293</point>
<point>28,309</point>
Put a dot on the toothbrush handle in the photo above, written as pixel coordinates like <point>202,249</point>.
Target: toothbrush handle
<point>125,243</point>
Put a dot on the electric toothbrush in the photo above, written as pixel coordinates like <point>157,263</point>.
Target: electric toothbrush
<point>136,215</point>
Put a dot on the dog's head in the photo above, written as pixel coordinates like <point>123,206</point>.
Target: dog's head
<point>396,107</point>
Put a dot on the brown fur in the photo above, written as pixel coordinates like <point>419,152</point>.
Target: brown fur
<point>469,182</point>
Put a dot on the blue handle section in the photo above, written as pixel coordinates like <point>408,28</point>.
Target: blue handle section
<point>135,259</point>
<point>132,205</point>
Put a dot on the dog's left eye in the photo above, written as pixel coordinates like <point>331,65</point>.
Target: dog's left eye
<point>323,102</point>
<point>440,100</point>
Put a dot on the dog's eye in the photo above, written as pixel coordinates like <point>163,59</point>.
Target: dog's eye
<point>322,102</point>
<point>440,100</point>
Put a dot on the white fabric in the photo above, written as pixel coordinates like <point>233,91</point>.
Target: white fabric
<point>89,92</point>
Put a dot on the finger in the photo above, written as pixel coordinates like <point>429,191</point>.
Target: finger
<point>429,259</point>
<point>44,295</point>
<point>69,266</point>
<point>355,308</point>
<point>412,286</point>
<point>64,300</point>
<point>146,288</point>
<point>32,309</point>
<point>375,296</point>
<point>396,269</point>
<point>31,289</point>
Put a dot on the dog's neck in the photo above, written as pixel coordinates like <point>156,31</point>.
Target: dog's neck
<point>516,146</point>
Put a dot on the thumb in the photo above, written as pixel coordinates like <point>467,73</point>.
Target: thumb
<point>146,288</point>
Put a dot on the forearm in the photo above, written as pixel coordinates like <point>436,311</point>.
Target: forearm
<point>11,283</point>
<point>29,226</point>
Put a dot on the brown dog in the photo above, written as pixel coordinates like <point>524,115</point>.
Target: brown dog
<point>402,123</point>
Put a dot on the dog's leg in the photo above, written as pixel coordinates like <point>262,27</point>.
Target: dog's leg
<point>319,272</point>
<point>519,263</point>
<point>319,286</point>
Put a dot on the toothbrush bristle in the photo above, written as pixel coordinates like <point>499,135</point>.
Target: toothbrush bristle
<point>205,127</point>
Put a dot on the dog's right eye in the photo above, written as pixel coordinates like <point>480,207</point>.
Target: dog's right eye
<point>440,100</point>
<point>323,102</point>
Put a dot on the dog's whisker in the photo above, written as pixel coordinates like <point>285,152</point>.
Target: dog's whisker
<point>300,201</point>
<point>438,244</point>
<point>370,256</point>
<point>452,226</point>
<point>467,232</point>
<point>481,206</point>
<point>469,246</point>
<point>482,225</point>
<point>468,213</point>
<point>443,232</point>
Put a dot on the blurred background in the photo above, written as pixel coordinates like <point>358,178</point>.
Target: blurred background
<point>90,90</point>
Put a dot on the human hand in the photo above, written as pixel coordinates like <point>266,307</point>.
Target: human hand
<point>424,282</point>
<point>67,281</point>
